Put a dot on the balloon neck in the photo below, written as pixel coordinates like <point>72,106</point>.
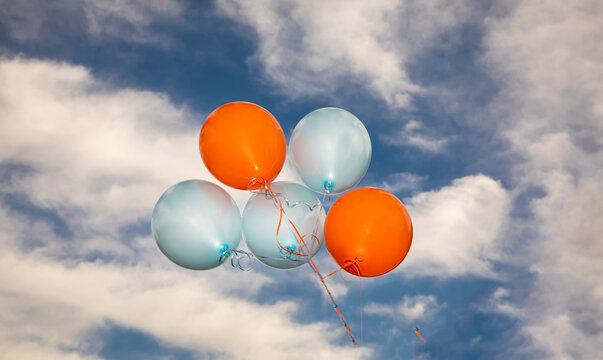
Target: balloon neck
<point>257,183</point>
<point>329,184</point>
<point>287,252</point>
<point>353,266</point>
<point>224,252</point>
<point>240,259</point>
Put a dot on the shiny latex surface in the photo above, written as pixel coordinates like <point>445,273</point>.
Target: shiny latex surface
<point>368,232</point>
<point>260,221</point>
<point>194,222</point>
<point>240,141</point>
<point>330,148</point>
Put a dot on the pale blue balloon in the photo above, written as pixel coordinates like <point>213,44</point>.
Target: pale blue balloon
<point>260,222</point>
<point>195,222</point>
<point>331,150</point>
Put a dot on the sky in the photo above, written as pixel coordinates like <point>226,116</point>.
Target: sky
<point>485,117</point>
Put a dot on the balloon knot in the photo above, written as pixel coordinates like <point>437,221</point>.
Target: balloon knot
<point>224,252</point>
<point>329,184</point>
<point>352,266</point>
<point>287,252</point>
<point>258,183</point>
<point>241,259</point>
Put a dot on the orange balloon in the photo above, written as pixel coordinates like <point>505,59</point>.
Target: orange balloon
<point>241,141</point>
<point>368,232</point>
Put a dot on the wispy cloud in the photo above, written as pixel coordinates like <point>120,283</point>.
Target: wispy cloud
<point>410,309</point>
<point>197,311</point>
<point>457,228</point>
<point>318,47</point>
<point>130,21</point>
<point>550,59</point>
<point>98,158</point>
<point>414,134</point>
<point>402,181</point>
<point>502,302</point>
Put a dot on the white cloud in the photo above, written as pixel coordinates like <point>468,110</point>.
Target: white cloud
<point>130,21</point>
<point>457,229</point>
<point>402,181</point>
<point>32,350</point>
<point>414,134</point>
<point>319,47</point>
<point>410,309</point>
<point>56,304</point>
<point>98,157</point>
<point>502,302</point>
<point>550,58</point>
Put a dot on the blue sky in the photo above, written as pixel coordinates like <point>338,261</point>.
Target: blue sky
<point>486,120</point>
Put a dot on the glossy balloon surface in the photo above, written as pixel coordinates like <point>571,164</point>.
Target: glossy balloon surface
<point>331,150</point>
<point>368,232</point>
<point>260,222</point>
<point>194,222</point>
<point>239,142</point>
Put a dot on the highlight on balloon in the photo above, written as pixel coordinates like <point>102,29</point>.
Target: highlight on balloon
<point>367,231</point>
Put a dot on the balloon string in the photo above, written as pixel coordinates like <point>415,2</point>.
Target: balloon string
<point>335,307</point>
<point>413,343</point>
<point>315,268</point>
<point>340,274</point>
<point>260,184</point>
<point>333,273</point>
<point>237,257</point>
<point>274,196</point>
<point>360,289</point>
<point>361,312</point>
<point>356,267</point>
<point>326,197</point>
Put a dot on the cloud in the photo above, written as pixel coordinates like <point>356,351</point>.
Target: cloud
<point>94,158</point>
<point>97,156</point>
<point>32,350</point>
<point>184,309</point>
<point>549,58</point>
<point>402,181</point>
<point>413,134</point>
<point>410,309</point>
<point>313,48</point>
<point>458,229</point>
<point>130,21</point>
<point>502,302</point>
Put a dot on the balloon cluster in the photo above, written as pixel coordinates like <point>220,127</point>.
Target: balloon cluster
<point>197,224</point>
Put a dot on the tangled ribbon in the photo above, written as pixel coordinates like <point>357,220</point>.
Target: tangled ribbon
<point>237,258</point>
<point>259,185</point>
